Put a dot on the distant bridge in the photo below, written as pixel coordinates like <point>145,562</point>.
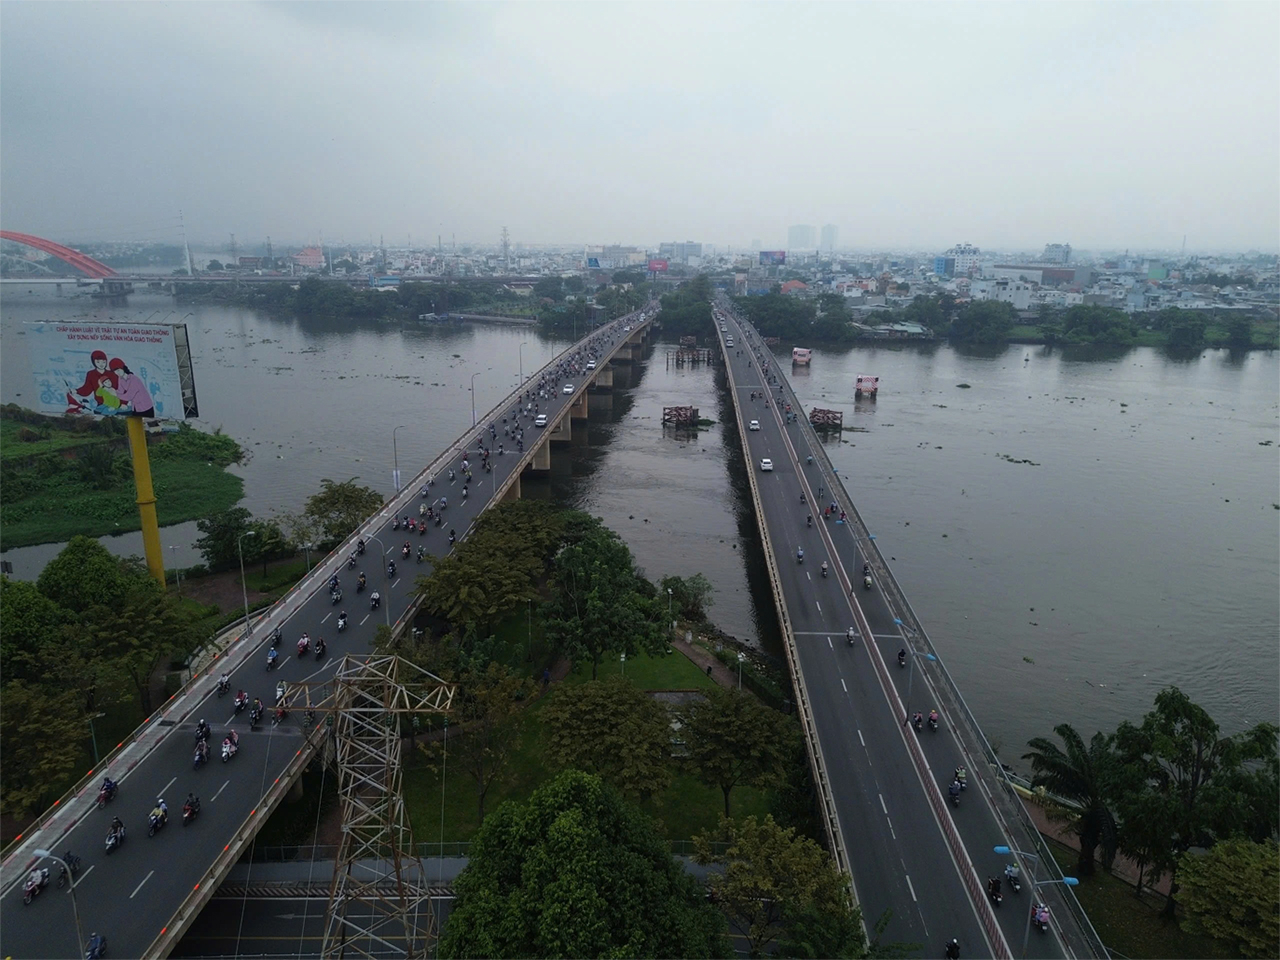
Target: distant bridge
<point>82,262</point>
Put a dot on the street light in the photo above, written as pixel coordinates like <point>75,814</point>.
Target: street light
<point>306,550</point>
<point>521,351</point>
<point>623,658</point>
<point>742,658</point>
<point>71,883</point>
<point>177,572</point>
<point>243,588</point>
<point>473,396</point>
<point>93,734</point>
<point>669,620</point>
<point>911,672</point>
<point>1069,881</point>
<point>395,456</point>
<point>386,606</point>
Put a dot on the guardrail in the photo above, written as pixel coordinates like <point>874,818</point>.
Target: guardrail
<point>817,760</point>
<point>1006,803</point>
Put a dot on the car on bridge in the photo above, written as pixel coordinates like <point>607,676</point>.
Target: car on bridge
<point>568,388</point>
<point>728,341</point>
<point>753,425</point>
<point>591,364</point>
<point>766,465</point>
<point>540,420</point>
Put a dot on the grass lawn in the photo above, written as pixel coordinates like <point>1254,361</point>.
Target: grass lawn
<point>686,808</point>
<point>13,446</point>
<point>1130,926</point>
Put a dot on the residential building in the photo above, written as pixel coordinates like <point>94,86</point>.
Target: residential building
<point>944,266</point>
<point>967,258</point>
<point>683,252</point>
<point>1056,253</point>
<point>829,234</point>
<point>312,258</point>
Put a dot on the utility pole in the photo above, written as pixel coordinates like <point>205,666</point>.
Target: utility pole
<point>186,246</point>
<point>271,261</point>
<point>233,246</point>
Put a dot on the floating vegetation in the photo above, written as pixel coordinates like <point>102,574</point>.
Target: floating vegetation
<point>1009,459</point>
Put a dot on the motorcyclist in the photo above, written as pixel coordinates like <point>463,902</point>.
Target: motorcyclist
<point>303,645</point>
<point>256,713</point>
<point>918,720</point>
<point>954,791</point>
<point>453,537</point>
<point>116,829</point>
<point>850,634</point>
<point>444,501</point>
<point>406,550</point>
<point>279,691</point>
<point>273,655</point>
<point>161,810</point>
<point>342,620</point>
<point>993,887</point>
<point>1011,873</point>
<point>808,521</point>
<point>802,500</point>
<point>360,582</point>
<point>231,743</point>
<point>333,582</point>
<point>800,554</point>
<point>422,554</point>
<point>109,787</point>
<point>824,568</point>
<point>351,561</point>
<point>360,546</point>
<point>192,805</point>
<point>1041,913</point>
<point>320,647</point>
<point>276,637</point>
<point>952,951</point>
<point>202,730</point>
<point>375,599</point>
<point>960,776</point>
<point>933,717</point>
<point>391,568</point>
<point>902,657</point>
<point>39,877</point>
<point>202,751</point>
<point>224,683</point>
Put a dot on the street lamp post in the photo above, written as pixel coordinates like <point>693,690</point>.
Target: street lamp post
<point>473,396</point>
<point>93,735</point>
<point>529,648</point>
<point>521,351</point>
<point>742,658</point>
<point>306,550</point>
<point>71,884</point>
<point>386,605</point>
<point>623,658</point>
<point>911,673</point>
<point>395,456</point>
<point>1068,881</point>
<point>177,572</point>
<point>669,620</point>
<point>244,589</point>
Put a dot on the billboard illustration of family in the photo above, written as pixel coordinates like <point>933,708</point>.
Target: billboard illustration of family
<point>112,369</point>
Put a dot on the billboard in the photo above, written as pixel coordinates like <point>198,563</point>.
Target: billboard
<point>112,369</point>
<point>773,258</point>
<point>593,263</point>
<point>657,266</point>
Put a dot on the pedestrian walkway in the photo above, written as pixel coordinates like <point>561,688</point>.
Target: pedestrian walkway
<point>721,674</point>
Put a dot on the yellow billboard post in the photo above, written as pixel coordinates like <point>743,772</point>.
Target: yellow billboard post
<point>146,497</point>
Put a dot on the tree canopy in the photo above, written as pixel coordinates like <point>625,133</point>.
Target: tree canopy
<point>1080,774</point>
<point>614,730</point>
<point>339,508</point>
<point>1229,893</point>
<point>577,872</point>
<point>733,738</point>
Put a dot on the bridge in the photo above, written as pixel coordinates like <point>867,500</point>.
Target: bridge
<point>882,784</point>
<point>146,894</point>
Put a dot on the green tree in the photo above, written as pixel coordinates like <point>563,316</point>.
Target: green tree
<point>549,288</point>
<point>138,634</point>
<point>1187,336</point>
<point>489,705</point>
<point>691,595</point>
<point>1229,893</point>
<point>267,543</point>
<point>732,738</point>
<point>1203,787</point>
<point>84,574</point>
<point>340,508</point>
<point>614,730</point>
<point>214,266</point>
<point>776,881</point>
<point>220,545</point>
<point>1090,323</point>
<point>41,733</point>
<point>29,623</point>
<point>1079,774</point>
<point>595,607</point>
<point>983,321</point>
<point>1240,333</point>
<point>577,872</point>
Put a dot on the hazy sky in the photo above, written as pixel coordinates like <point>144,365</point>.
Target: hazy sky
<point>909,125</point>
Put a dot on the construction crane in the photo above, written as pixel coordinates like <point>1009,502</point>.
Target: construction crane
<point>378,896</point>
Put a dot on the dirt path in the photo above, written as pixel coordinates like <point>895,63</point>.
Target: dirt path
<point>223,589</point>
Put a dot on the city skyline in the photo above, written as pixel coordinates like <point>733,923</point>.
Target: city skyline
<point>298,121</point>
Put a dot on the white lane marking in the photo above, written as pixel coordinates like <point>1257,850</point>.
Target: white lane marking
<point>818,605</point>
<point>860,740</point>
<point>829,643</point>
<point>846,689</point>
<point>166,787</point>
<point>911,888</point>
<point>220,789</point>
<point>366,617</point>
<point>139,886</point>
<point>882,806</point>
<point>893,833</point>
<point>80,879</point>
<point>327,616</point>
<point>396,584</point>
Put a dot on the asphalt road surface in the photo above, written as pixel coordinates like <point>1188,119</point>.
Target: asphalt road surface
<point>132,893</point>
<point>900,861</point>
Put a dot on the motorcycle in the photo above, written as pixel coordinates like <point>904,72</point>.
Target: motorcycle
<point>106,795</point>
<point>201,756</point>
<point>342,623</point>
<point>115,838</point>
<point>229,749</point>
<point>993,892</point>
<point>279,716</point>
<point>422,529</point>
<point>241,703</point>
<point>189,811</point>
<point>320,646</point>
<point>336,597</point>
<point>902,658</point>
<point>96,948</point>
<point>1015,881</point>
<point>254,716</point>
<point>64,875</point>
<point>799,556</point>
<point>391,569</point>
<point>824,569</point>
<point>866,583</point>
<point>31,889</point>
<point>360,585</point>
<point>954,790</point>
<point>422,554</point>
<point>375,600</point>
<point>224,686</point>
<point>1040,916</point>
<point>933,722</point>
<point>405,551</point>
<point>395,523</point>
<point>808,521</point>
<point>351,562</point>
<point>849,635</point>
<point>273,658</point>
<point>303,647</point>
<point>156,821</point>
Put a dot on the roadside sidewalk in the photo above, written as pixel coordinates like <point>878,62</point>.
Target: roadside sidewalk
<point>721,674</point>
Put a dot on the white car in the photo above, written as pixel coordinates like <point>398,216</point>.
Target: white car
<point>591,364</point>
<point>723,328</point>
<point>728,341</point>
<point>540,420</point>
<point>753,425</point>
<point>767,465</point>
<point>568,388</point>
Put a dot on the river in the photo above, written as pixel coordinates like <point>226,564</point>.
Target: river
<point>1138,547</point>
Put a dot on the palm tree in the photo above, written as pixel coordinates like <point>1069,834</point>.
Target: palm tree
<point>1079,775</point>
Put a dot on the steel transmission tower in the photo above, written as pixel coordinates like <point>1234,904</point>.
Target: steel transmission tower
<point>378,901</point>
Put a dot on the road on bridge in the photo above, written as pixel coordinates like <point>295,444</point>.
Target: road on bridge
<point>130,895</point>
<point>894,837</point>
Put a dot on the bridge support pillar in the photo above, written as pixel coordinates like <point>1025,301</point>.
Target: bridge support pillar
<point>542,457</point>
<point>561,431</point>
<point>513,491</point>
<point>603,379</point>
<point>578,409</point>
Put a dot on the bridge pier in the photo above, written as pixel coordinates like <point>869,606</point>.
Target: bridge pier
<point>578,409</point>
<point>513,492</point>
<point>603,379</point>
<point>542,458</point>
<point>561,431</point>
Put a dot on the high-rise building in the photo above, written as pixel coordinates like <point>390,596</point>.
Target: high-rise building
<point>967,258</point>
<point>829,234</point>
<point>802,237</point>
<point>1057,253</point>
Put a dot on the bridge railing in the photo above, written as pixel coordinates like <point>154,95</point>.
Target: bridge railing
<point>1005,801</point>
<point>813,746</point>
